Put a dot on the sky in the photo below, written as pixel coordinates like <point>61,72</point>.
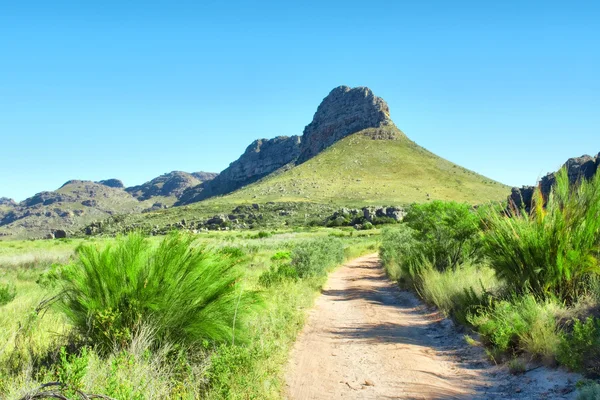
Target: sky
<point>134,89</point>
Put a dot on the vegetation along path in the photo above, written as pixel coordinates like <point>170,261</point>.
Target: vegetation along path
<point>367,339</point>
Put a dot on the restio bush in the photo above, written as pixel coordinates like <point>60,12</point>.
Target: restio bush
<point>184,293</point>
<point>553,251</point>
<point>313,257</point>
<point>400,253</point>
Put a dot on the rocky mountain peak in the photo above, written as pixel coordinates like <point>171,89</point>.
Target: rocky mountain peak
<point>343,112</point>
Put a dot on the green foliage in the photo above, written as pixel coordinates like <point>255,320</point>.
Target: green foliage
<point>447,232</point>
<point>71,370</point>
<point>314,257</point>
<point>262,235</point>
<point>384,220</point>
<point>580,349</point>
<point>400,253</point>
<point>553,251</point>
<point>185,293</point>
<point>51,277</point>
<point>7,293</point>
<point>277,273</point>
<point>521,324</point>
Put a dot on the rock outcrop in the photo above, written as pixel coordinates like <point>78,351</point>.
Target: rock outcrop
<point>261,158</point>
<point>343,112</point>
<point>584,167</point>
<point>171,184</point>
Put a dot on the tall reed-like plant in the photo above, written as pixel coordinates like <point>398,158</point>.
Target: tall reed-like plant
<point>554,250</point>
<point>185,293</point>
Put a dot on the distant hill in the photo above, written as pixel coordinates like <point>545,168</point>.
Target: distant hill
<point>172,184</point>
<point>78,203</point>
<point>73,205</point>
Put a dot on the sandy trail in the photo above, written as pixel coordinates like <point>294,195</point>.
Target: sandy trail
<point>367,339</point>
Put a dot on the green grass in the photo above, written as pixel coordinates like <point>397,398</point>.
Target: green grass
<point>358,170</point>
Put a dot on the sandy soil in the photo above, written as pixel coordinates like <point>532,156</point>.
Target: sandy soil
<point>367,339</point>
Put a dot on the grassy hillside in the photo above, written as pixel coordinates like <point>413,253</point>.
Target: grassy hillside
<point>358,170</point>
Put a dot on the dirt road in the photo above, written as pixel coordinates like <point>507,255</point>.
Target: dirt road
<point>366,339</point>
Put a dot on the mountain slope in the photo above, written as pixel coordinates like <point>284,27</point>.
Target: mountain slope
<point>359,170</point>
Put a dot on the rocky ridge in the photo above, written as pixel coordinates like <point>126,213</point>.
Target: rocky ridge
<point>261,158</point>
<point>584,167</point>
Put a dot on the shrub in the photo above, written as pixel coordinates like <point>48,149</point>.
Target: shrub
<point>458,292</point>
<point>554,250</point>
<point>579,349</point>
<point>313,257</point>
<point>522,324</point>
<point>399,253</point>
<point>448,233</point>
<point>589,392</point>
<point>7,293</point>
<point>262,235</point>
<point>277,274</point>
<point>185,293</point>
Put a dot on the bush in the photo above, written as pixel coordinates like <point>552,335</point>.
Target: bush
<point>522,324</point>
<point>313,257</point>
<point>460,291</point>
<point>277,274</point>
<point>7,293</point>
<point>581,348</point>
<point>554,250</point>
<point>262,235</point>
<point>448,233</point>
<point>185,294</point>
<point>399,253</point>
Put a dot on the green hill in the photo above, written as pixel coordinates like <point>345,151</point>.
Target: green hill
<point>359,170</point>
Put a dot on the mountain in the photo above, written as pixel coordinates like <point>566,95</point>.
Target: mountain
<point>73,205</point>
<point>584,167</point>
<point>342,112</point>
<point>373,166</point>
<point>172,184</point>
<point>350,153</point>
<point>78,203</point>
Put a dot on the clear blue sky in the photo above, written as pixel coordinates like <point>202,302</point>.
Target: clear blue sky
<point>134,89</point>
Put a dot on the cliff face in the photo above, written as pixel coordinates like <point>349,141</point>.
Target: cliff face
<point>343,112</point>
<point>261,158</point>
<point>584,167</point>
